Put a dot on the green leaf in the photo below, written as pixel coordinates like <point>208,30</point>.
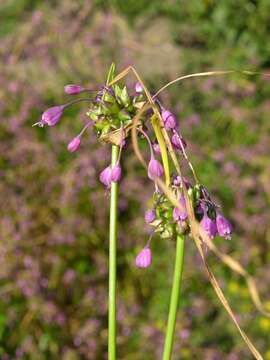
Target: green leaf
<point>111,73</point>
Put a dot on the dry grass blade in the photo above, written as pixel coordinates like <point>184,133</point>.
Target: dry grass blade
<point>209,73</point>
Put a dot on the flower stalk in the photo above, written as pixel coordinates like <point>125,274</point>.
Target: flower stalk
<point>112,262</point>
<point>175,295</point>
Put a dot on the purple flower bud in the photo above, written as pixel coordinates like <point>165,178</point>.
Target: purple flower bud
<point>177,141</point>
<point>74,144</point>
<point>209,226</point>
<point>224,228</point>
<point>116,173</point>
<point>52,115</point>
<point>138,87</point>
<point>73,89</point>
<point>169,119</point>
<point>150,216</point>
<point>180,213</point>
<point>156,148</point>
<point>155,169</point>
<point>106,176</point>
<point>144,258</point>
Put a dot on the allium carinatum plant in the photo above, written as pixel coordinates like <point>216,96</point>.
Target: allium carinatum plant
<point>182,208</point>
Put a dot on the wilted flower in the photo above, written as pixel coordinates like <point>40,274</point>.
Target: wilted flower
<point>224,228</point>
<point>74,144</point>
<point>155,169</point>
<point>144,258</point>
<point>150,216</point>
<point>169,119</point>
<point>73,89</point>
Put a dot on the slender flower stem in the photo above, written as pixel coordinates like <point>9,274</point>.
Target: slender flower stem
<point>177,277</point>
<point>112,262</point>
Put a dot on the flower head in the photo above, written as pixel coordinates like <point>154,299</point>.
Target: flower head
<point>155,169</point>
<point>144,258</point>
<point>150,216</point>
<point>224,228</point>
<point>169,119</point>
<point>74,144</point>
<point>209,225</point>
<point>73,89</point>
<point>116,173</point>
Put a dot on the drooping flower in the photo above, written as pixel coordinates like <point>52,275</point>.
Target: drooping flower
<point>150,216</point>
<point>74,144</point>
<point>155,169</point>
<point>180,212</point>
<point>144,258</point>
<point>178,142</point>
<point>224,228</point>
<point>209,225</point>
<point>116,173</point>
<point>106,176</point>
<point>73,89</point>
<point>52,115</point>
<point>169,119</point>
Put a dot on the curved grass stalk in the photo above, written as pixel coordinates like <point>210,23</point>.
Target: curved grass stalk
<point>175,295</point>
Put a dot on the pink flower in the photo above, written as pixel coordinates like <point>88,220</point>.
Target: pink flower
<point>74,144</point>
<point>150,216</point>
<point>178,142</point>
<point>169,119</point>
<point>73,89</point>
<point>52,115</point>
<point>156,148</point>
<point>209,225</point>
<point>180,213</point>
<point>224,227</point>
<point>138,88</point>
<point>155,169</point>
<point>116,173</point>
<point>106,176</point>
<point>144,258</point>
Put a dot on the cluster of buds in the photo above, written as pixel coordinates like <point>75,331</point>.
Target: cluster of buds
<point>169,221</point>
<point>112,111</point>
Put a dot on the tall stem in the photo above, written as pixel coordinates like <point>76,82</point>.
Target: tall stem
<point>177,277</point>
<point>112,262</point>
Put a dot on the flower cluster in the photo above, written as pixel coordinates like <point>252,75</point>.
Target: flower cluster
<point>112,111</point>
<point>169,221</point>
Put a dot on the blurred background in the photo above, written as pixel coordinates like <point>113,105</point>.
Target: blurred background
<point>54,211</point>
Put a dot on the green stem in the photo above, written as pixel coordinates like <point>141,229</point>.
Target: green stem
<point>112,263</point>
<point>177,277</point>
